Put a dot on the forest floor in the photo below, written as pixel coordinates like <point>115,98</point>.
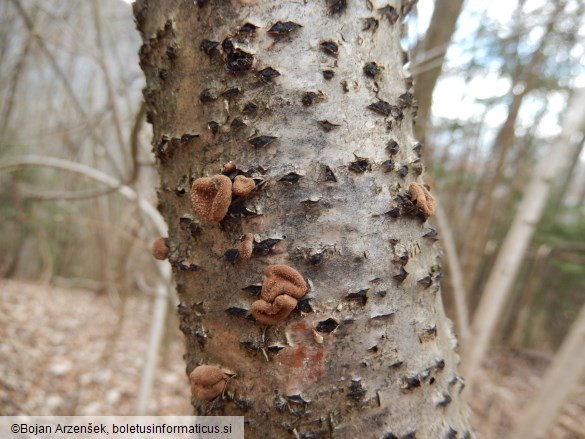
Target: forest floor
<point>71,352</point>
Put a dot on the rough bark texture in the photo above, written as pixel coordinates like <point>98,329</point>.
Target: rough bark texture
<point>368,352</point>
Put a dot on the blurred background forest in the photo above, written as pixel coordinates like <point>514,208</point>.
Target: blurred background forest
<point>494,82</point>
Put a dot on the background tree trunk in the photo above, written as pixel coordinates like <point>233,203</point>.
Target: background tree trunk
<point>429,57</point>
<point>499,284</point>
<point>300,107</point>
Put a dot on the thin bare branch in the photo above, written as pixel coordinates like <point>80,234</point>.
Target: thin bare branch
<point>63,78</point>
<point>459,294</point>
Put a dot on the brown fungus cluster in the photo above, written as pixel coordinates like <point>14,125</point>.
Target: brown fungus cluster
<point>422,198</point>
<point>207,382</point>
<point>281,289</point>
<point>270,313</point>
<point>212,196</point>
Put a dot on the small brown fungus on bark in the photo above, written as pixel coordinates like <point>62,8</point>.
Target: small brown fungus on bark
<point>282,280</point>
<point>270,313</point>
<point>160,250</point>
<point>243,186</point>
<point>246,246</point>
<point>211,197</point>
<point>422,198</point>
<point>207,382</point>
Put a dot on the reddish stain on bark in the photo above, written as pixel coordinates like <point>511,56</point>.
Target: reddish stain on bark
<point>304,362</point>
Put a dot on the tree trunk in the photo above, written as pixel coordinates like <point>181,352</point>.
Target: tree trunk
<point>501,279</point>
<point>484,203</point>
<point>290,93</point>
<point>432,51</point>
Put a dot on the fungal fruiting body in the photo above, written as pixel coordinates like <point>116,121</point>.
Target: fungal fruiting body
<point>243,186</point>
<point>207,382</point>
<point>211,197</point>
<point>282,279</point>
<point>246,246</point>
<point>282,287</point>
<point>271,313</point>
<point>160,250</point>
<point>422,198</point>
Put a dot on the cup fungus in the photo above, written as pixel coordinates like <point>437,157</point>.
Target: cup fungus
<point>211,197</point>
<point>271,313</point>
<point>282,279</point>
<point>246,246</point>
<point>422,198</point>
<point>207,382</point>
<point>243,186</point>
<point>282,287</point>
<point>160,250</point>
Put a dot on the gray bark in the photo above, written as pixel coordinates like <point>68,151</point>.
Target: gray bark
<point>368,352</point>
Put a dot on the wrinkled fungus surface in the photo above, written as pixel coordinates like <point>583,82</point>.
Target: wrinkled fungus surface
<point>207,382</point>
<point>211,197</point>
